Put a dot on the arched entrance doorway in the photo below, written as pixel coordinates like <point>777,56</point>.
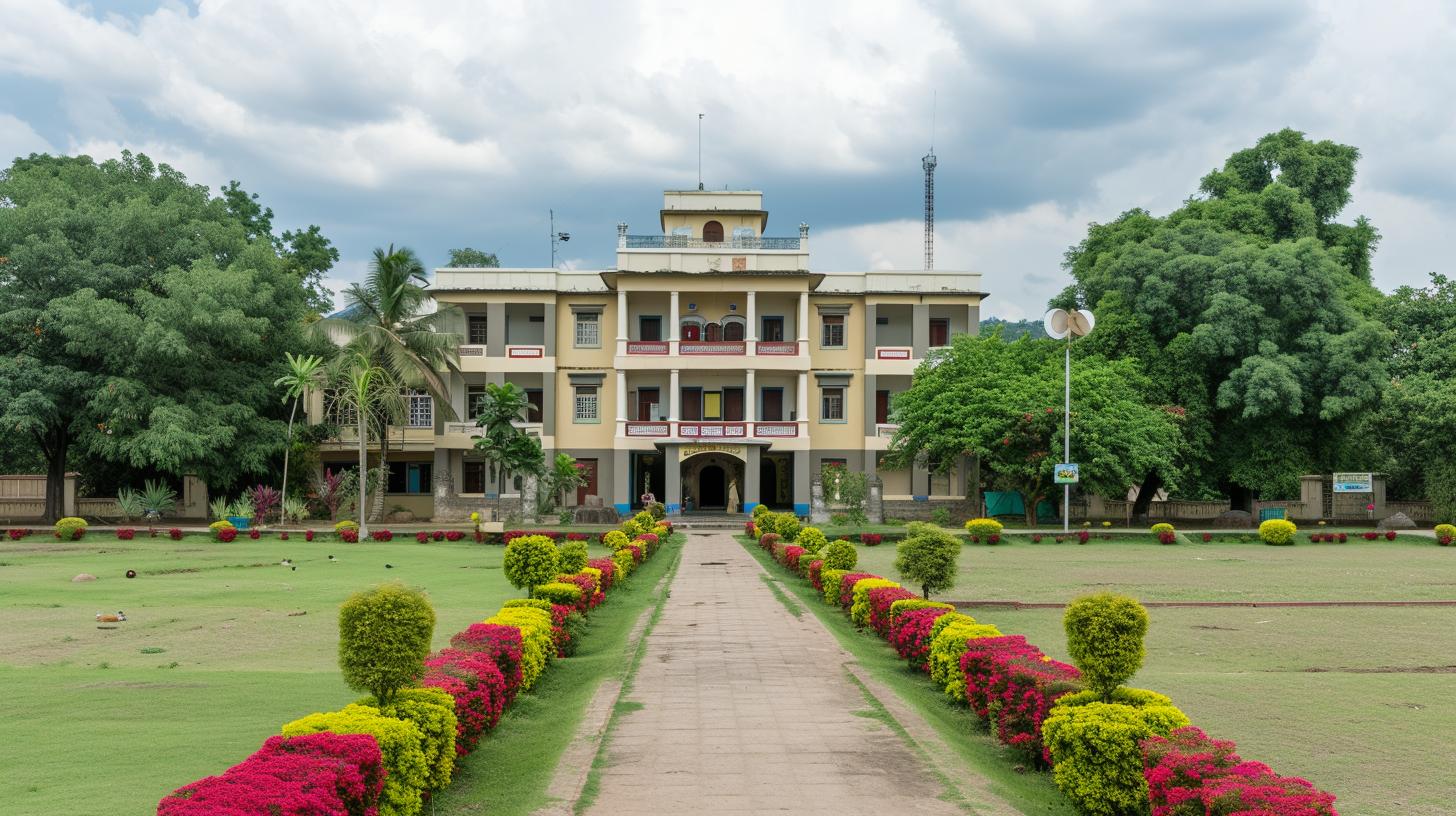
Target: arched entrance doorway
<point>713,488</point>
<point>712,482</point>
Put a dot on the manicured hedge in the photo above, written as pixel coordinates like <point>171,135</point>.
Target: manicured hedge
<point>1114,752</point>
<point>375,758</point>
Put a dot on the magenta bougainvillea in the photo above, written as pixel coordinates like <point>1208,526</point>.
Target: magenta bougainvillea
<point>910,634</point>
<point>880,600</point>
<point>790,556</point>
<point>816,577</point>
<point>474,680</point>
<point>1190,773</point>
<point>502,643</point>
<point>1012,686</point>
<point>313,775</point>
<point>846,586</point>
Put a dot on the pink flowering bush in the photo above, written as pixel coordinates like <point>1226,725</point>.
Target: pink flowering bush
<point>254,534</point>
<point>910,634</point>
<point>502,643</point>
<point>453,535</point>
<point>1189,774</point>
<point>768,540</point>
<point>320,774</point>
<point>846,586</point>
<point>789,556</point>
<point>871,539</point>
<point>608,569</point>
<point>380,535</point>
<point>227,534</point>
<point>126,534</point>
<point>175,534</point>
<point>422,537</point>
<point>880,600</point>
<point>750,529</point>
<point>1012,686</point>
<point>474,680</point>
<point>816,578</point>
<point>308,535</point>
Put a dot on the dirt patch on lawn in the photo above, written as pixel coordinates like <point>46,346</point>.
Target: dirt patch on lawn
<point>1386,670</point>
<point>138,684</point>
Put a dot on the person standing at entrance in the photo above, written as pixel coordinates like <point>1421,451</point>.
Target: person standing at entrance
<point>733,502</point>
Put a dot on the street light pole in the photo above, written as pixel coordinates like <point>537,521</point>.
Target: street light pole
<point>1065,325</point>
<point>1067,432</point>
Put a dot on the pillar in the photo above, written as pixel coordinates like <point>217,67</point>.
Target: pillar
<point>548,330</point>
<point>801,396</point>
<point>803,322</point>
<point>750,400</point>
<point>871,330</point>
<point>621,482</point>
<point>674,324</point>
<point>621,402</point>
<point>674,397</point>
<point>920,330</point>
<point>869,405</point>
<point>548,404</point>
<point>621,322</point>
<point>495,329</point>
<point>672,468</point>
<point>973,319</point>
<point>801,483</point>
<point>752,317</point>
<point>751,486</point>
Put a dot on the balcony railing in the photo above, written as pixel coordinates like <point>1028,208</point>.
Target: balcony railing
<point>713,430</point>
<point>526,352</point>
<point>685,242</point>
<point>475,431</point>
<point>893,353</point>
<point>776,348</point>
<point>712,347</point>
<point>647,347</point>
<point>886,430</point>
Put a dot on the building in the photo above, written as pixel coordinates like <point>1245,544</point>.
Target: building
<point>713,367</point>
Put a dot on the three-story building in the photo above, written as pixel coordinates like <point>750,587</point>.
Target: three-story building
<point>713,368</point>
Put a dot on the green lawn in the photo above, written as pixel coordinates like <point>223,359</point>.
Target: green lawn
<point>1356,699</point>
<point>221,647</point>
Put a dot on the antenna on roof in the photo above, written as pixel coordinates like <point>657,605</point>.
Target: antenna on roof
<point>928,162</point>
<point>700,151</point>
<point>556,237</point>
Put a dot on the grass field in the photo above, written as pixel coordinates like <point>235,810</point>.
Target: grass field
<point>1357,699</point>
<point>222,645</point>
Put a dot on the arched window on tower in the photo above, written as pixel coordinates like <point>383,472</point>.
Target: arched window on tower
<point>692,329</point>
<point>733,327</point>
<point>713,333</point>
<point>713,231</point>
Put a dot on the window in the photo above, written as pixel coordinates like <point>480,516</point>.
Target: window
<point>410,478</point>
<point>712,406</point>
<point>586,404</point>
<point>713,333</point>
<point>773,329</point>
<point>474,477</point>
<point>474,401</point>
<point>338,411</point>
<point>588,330</point>
<point>833,336</point>
<point>713,231</point>
<point>939,332</point>
<point>650,328</point>
<point>831,403</point>
<point>421,410</point>
<point>534,397</point>
<point>692,329</point>
<point>476,330</point>
<point>733,328</point>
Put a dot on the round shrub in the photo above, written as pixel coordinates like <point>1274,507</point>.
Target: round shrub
<point>70,528</point>
<point>537,644</point>
<point>787,526</point>
<point>949,636</point>
<point>839,555</point>
<point>859,609</point>
<point>384,638</point>
<point>622,563</point>
<point>346,525</point>
<point>227,534</point>
<point>1161,527</point>
<point>1096,752</point>
<point>558,592</point>
<point>981,529</point>
<point>927,559</point>
<point>830,579</point>
<point>616,539</point>
<point>812,539</point>
<point>530,560</point>
<point>432,710</point>
<point>1277,532</point>
<point>529,603</point>
<point>1445,534</point>
<point>573,556</point>
<point>759,511</point>
<point>1105,638</point>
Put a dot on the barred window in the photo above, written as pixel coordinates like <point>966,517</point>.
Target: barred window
<point>832,404</point>
<point>473,477</point>
<point>476,330</point>
<point>421,410</point>
<point>586,404</point>
<point>833,336</point>
<point>474,401</point>
<point>588,330</point>
<point>337,410</point>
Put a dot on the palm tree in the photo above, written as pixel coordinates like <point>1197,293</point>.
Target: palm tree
<point>365,388</point>
<point>303,374</point>
<point>507,448</point>
<point>390,318</point>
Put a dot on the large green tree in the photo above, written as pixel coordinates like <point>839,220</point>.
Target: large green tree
<point>140,321</point>
<point>471,257</point>
<point>1002,402</point>
<point>1250,309</point>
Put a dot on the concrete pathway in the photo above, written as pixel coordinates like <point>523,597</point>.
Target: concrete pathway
<point>747,709</point>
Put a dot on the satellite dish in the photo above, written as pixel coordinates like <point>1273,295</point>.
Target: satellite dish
<point>1060,323</point>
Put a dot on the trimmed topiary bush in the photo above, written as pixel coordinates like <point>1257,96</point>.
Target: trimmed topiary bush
<point>1095,747</point>
<point>474,681</point>
<point>981,529</point>
<point>1445,534</point>
<point>839,555</point>
<point>1277,532</point>
<point>502,642</point>
<point>531,560</point>
<point>900,607</point>
<point>859,605</point>
<point>71,528</point>
<point>927,559</point>
<point>787,526</point>
<point>384,638</point>
<point>400,746</point>
<point>910,633</point>
<point>948,643</point>
<point>1105,639</point>
<point>558,592</point>
<point>432,710</point>
<point>573,556</point>
<point>831,579</point>
<point>812,539</point>
<point>537,644</point>
<point>1161,527</point>
<point>615,539</point>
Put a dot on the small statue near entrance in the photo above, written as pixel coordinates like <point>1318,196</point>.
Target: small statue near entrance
<point>734,503</point>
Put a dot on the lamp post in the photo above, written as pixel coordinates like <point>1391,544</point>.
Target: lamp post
<point>1062,324</point>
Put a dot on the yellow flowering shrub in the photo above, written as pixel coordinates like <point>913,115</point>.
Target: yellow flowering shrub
<point>908,604</point>
<point>616,539</point>
<point>946,648</point>
<point>859,610</point>
<point>400,743</point>
<point>432,710</point>
<point>537,645</point>
<point>624,562</point>
<point>1097,760</point>
<point>1278,532</point>
<point>983,528</point>
<point>558,592</point>
<point>830,579</point>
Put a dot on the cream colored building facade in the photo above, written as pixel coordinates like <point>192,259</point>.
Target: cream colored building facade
<point>713,368</point>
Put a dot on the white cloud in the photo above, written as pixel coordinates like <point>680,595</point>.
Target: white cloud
<point>18,138</point>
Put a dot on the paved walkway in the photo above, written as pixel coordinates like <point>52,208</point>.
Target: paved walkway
<point>747,709</point>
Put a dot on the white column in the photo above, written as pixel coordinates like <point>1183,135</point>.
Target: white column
<point>621,402</point>
<point>803,322</point>
<point>803,398</point>
<point>673,328</point>
<point>621,322</point>
<point>750,395</point>
<point>674,396</point>
<point>752,333</point>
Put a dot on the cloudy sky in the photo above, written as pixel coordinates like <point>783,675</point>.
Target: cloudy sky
<point>445,124</point>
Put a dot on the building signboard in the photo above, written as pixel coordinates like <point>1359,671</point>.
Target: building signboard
<point>1353,483</point>
<point>1066,473</point>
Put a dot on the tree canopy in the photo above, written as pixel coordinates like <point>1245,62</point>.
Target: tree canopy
<point>1002,402</point>
<point>1250,310</point>
<point>471,257</point>
<point>142,319</point>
